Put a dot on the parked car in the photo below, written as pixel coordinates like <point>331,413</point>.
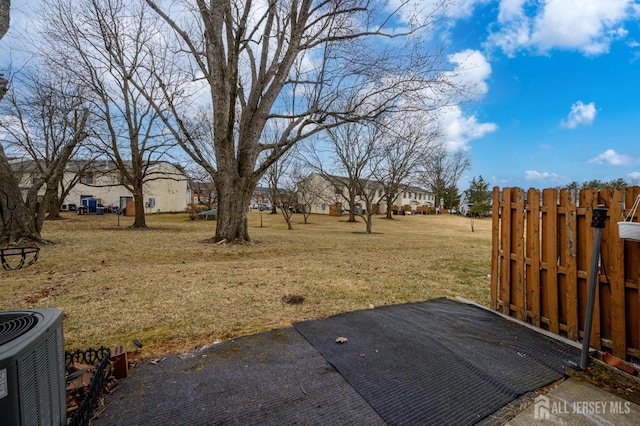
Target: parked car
<point>263,207</point>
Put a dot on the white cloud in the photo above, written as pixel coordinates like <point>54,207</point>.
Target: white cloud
<point>458,130</point>
<point>612,158</point>
<point>510,10</point>
<point>588,26</point>
<point>471,72</point>
<point>635,178</point>
<point>580,114</point>
<point>533,175</point>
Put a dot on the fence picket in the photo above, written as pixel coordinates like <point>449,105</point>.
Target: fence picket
<point>568,202</point>
<point>505,250</point>
<point>550,258</point>
<point>532,272</point>
<point>495,247</point>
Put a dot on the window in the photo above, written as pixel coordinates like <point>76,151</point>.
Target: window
<point>86,178</point>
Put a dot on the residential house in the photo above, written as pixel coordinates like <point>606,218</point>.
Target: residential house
<point>202,193</point>
<point>330,196</point>
<point>165,191</point>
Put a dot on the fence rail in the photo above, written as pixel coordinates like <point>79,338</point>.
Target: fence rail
<point>542,249</point>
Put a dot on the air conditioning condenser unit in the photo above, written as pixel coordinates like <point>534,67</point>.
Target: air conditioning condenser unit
<point>32,368</point>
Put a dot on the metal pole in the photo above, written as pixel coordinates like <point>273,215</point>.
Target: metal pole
<point>598,221</point>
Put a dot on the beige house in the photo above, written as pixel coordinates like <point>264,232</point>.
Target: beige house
<point>330,196</point>
<point>166,191</point>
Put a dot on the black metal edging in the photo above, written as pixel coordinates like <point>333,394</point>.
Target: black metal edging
<point>87,405</point>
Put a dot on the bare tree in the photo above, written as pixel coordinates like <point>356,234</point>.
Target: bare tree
<point>352,151</point>
<point>13,213</point>
<point>202,186</point>
<point>407,139</point>
<point>287,199</point>
<point>306,192</point>
<point>250,55</point>
<point>277,170</point>
<point>44,119</point>
<point>442,170</point>
<point>107,44</point>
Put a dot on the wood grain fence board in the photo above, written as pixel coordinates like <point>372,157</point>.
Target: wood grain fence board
<point>518,263</point>
<point>512,260</point>
<point>562,239</point>
<point>604,272</point>
<point>568,201</point>
<point>495,247</point>
<point>572,265</point>
<point>532,273</point>
<point>505,249</point>
<point>582,261</point>
<point>632,276</point>
<point>616,259</point>
<point>588,200</point>
<point>550,250</point>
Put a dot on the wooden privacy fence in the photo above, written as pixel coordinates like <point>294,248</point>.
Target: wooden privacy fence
<point>541,259</point>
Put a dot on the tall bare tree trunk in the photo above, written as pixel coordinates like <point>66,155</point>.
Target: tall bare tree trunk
<point>15,222</point>
<point>5,5</point>
<point>389,202</point>
<point>54,207</point>
<point>139,220</point>
<point>233,198</point>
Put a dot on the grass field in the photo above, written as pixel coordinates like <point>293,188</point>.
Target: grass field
<point>171,290</point>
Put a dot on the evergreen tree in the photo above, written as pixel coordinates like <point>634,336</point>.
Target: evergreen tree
<point>478,197</point>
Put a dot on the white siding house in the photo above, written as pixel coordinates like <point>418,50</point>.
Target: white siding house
<point>331,196</point>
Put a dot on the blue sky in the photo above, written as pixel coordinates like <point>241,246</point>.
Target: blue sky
<point>561,99</point>
<point>557,86</point>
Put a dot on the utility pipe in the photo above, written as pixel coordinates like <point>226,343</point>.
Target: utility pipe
<point>598,220</point>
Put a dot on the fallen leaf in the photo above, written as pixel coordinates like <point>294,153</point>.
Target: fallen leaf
<point>342,340</point>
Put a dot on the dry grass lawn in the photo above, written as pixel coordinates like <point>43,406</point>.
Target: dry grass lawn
<point>168,288</point>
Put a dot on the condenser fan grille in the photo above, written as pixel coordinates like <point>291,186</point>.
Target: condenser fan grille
<point>15,324</point>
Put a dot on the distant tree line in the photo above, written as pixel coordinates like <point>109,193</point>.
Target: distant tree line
<point>598,184</point>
